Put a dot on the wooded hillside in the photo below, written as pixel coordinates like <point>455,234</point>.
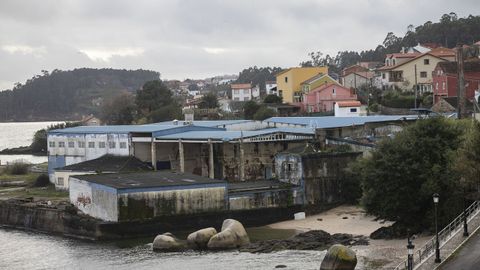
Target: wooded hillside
<point>67,95</point>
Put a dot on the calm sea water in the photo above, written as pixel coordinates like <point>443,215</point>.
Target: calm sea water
<point>27,250</point>
<point>20,134</point>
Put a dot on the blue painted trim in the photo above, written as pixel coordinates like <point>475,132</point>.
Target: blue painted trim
<point>170,188</point>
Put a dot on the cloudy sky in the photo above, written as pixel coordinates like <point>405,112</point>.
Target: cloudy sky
<point>197,38</point>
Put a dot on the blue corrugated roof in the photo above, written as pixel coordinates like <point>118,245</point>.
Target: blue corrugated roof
<point>147,128</point>
<point>229,135</point>
<point>334,122</point>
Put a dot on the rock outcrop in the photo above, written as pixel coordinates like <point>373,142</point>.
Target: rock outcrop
<point>339,257</point>
<point>311,240</point>
<point>200,238</point>
<point>232,235</point>
<point>168,242</point>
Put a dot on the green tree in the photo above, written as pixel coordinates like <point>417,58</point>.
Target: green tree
<point>209,101</point>
<point>120,110</point>
<point>250,108</point>
<point>402,174</point>
<point>468,158</point>
<point>273,99</point>
<point>155,103</point>
<point>263,113</point>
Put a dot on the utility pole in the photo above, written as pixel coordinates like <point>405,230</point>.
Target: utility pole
<point>461,83</point>
<point>416,86</point>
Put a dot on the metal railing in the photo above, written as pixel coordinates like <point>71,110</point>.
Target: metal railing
<point>444,236</point>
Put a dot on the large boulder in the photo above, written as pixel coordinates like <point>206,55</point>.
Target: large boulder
<point>339,257</point>
<point>168,242</point>
<point>233,235</point>
<point>200,238</point>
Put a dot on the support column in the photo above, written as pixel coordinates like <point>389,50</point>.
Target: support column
<point>211,170</point>
<point>242,161</point>
<point>154,154</point>
<point>181,156</point>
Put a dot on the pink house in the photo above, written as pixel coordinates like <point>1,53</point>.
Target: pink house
<point>323,98</point>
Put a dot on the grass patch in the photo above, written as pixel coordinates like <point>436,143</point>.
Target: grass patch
<point>48,192</point>
<point>28,178</point>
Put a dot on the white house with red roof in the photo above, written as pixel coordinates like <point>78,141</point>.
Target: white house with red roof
<point>347,108</point>
<point>408,71</point>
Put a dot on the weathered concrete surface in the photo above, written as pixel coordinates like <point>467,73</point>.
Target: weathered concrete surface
<point>233,235</point>
<point>339,257</point>
<point>168,242</point>
<point>200,238</point>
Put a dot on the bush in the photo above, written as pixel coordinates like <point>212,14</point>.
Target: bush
<point>42,181</point>
<point>17,168</point>
<point>263,113</point>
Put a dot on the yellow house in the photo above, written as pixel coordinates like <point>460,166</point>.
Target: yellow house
<point>316,81</point>
<point>289,81</point>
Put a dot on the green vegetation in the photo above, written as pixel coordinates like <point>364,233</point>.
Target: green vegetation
<point>430,156</point>
<point>273,99</point>
<point>120,110</point>
<point>66,94</point>
<point>17,168</point>
<point>209,101</point>
<point>28,185</point>
<point>258,76</point>
<point>155,103</point>
<point>263,113</point>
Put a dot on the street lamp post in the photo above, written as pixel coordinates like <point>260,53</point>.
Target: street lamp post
<point>410,248</point>
<point>436,198</point>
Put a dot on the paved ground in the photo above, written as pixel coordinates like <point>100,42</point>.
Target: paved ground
<point>467,258</point>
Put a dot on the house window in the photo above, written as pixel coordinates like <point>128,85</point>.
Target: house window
<point>436,86</point>
<point>280,93</point>
<point>443,85</point>
<point>236,99</point>
<point>51,144</point>
<point>393,61</point>
<point>61,144</point>
<point>60,181</point>
<point>101,145</point>
<point>426,61</point>
<point>246,91</point>
<point>237,92</point>
<point>91,144</point>
<point>353,109</point>
<point>286,79</point>
<point>81,144</point>
<point>123,145</point>
<point>423,74</point>
<point>383,75</point>
<point>111,145</point>
<point>333,91</point>
<point>71,144</point>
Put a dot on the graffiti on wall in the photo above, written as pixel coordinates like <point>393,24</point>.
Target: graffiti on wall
<point>83,200</point>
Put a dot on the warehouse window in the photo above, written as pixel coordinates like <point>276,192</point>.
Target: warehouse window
<point>61,144</point>
<point>60,181</point>
<point>51,144</point>
<point>91,144</point>
<point>71,144</point>
<point>101,145</point>
<point>111,145</point>
<point>81,144</point>
<point>123,145</point>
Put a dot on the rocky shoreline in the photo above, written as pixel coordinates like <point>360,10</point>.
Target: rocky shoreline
<point>311,240</point>
<point>22,150</point>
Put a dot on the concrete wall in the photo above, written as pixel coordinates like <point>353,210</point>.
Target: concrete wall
<point>66,178</point>
<point>288,168</point>
<point>163,202</point>
<point>94,200</point>
<point>265,199</point>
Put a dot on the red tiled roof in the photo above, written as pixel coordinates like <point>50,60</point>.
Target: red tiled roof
<point>354,103</point>
<point>410,60</point>
<point>441,51</point>
<point>241,86</point>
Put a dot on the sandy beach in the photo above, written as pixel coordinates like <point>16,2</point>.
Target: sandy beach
<point>379,254</point>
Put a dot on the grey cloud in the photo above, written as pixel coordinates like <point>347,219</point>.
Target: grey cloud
<point>173,34</point>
